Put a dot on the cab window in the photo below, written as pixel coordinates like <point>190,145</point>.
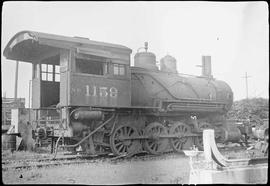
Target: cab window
<point>50,72</point>
<point>119,69</point>
<point>88,66</point>
<point>46,72</point>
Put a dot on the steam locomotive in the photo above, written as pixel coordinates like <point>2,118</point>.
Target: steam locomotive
<point>86,95</point>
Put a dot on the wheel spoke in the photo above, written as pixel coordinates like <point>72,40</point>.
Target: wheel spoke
<point>130,132</point>
<point>125,149</point>
<point>117,144</point>
<point>152,144</point>
<point>124,131</point>
<point>156,147</point>
<point>120,132</point>
<point>179,145</point>
<point>121,147</point>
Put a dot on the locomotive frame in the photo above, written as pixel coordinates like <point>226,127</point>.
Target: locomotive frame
<point>86,93</point>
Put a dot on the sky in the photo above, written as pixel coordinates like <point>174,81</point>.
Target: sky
<point>234,34</point>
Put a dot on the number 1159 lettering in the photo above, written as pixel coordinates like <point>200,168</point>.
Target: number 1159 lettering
<point>103,91</point>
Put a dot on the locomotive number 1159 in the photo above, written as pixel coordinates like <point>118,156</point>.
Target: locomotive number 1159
<point>101,91</point>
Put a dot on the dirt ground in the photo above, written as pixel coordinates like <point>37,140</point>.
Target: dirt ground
<point>169,169</point>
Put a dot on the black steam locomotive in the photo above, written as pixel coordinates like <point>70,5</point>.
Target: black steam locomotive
<point>87,95</point>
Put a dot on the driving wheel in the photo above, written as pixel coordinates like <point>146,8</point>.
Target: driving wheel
<point>154,144</point>
<point>120,141</point>
<point>180,142</point>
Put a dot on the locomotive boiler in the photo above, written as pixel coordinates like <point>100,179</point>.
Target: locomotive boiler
<point>200,94</point>
<point>86,95</point>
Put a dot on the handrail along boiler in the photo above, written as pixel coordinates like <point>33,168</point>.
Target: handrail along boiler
<point>87,93</point>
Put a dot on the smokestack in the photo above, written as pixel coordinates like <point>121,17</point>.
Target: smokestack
<point>206,66</point>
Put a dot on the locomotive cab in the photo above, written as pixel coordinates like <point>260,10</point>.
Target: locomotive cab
<point>99,77</point>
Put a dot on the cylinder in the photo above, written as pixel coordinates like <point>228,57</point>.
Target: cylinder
<point>9,142</point>
<point>87,114</point>
<point>145,60</point>
<point>230,134</point>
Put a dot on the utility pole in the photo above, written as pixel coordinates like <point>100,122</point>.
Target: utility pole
<point>29,96</point>
<point>4,109</point>
<point>16,81</point>
<point>246,77</point>
<point>30,81</point>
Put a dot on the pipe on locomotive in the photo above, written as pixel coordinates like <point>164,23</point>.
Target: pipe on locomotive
<point>88,114</point>
<point>77,144</point>
<point>90,134</point>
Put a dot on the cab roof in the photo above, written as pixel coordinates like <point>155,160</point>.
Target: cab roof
<point>29,45</point>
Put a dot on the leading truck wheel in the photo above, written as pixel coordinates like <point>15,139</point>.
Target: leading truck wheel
<point>154,144</point>
<point>120,142</point>
<point>180,142</point>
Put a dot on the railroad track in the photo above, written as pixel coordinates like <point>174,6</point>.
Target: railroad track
<point>68,157</point>
<point>83,159</point>
<point>47,162</point>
